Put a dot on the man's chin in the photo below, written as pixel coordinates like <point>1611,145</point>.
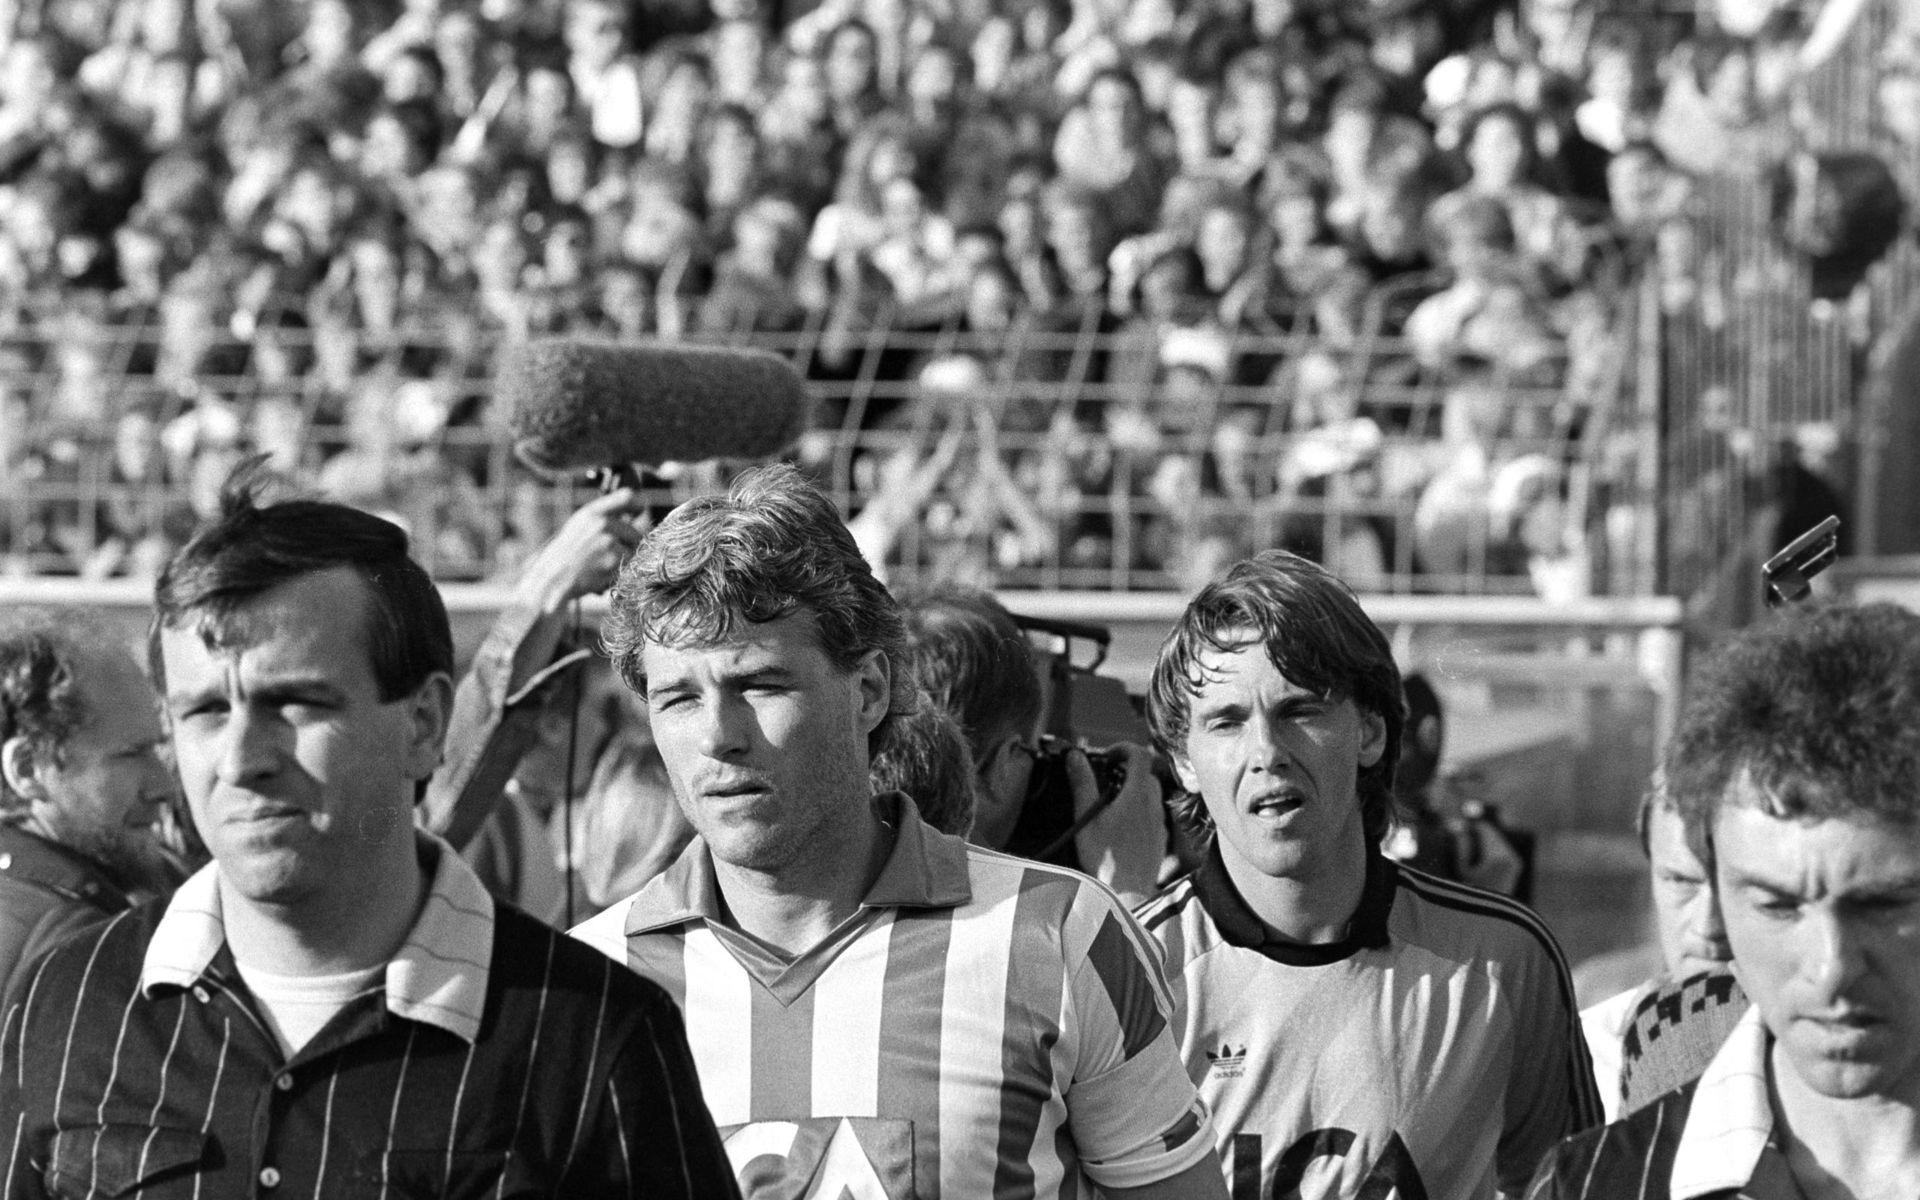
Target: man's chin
<point>1850,1074</point>
<point>132,858</point>
<point>749,849</point>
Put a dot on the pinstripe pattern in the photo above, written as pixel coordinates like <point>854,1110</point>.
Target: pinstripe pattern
<point>1631,1159</point>
<point>1438,1042</point>
<point>578,1081</point>
<point>326,1136</point>
<point>940,1040</point>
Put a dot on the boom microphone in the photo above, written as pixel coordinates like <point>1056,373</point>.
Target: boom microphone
<point>583,404</point>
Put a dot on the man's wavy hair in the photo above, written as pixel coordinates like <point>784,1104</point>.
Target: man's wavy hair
<point>773,546</point>
<point>1315,633</point>
<point>253,546</point>
<point>1818,709</point>
<point>40,695</point>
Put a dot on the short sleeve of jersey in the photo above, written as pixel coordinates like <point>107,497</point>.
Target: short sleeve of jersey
<point>1135,1115</point>
<point>1555,1097</point>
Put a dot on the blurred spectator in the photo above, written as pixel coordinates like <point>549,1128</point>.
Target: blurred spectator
<point>603,71</point>
<point>291,215</point>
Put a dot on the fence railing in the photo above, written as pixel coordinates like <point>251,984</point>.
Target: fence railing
<point>1048,455</point>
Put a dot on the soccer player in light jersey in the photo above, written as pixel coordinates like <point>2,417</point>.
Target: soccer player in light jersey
<point>1357,1027</point>
<point>876,1008</point>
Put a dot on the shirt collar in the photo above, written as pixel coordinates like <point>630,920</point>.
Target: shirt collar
<point>1730,1119</point>
<point>1239,925</point>
<point>925,869</point>
<point>438,976</point>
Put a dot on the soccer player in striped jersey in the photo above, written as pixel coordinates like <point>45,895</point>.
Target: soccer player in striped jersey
<point>877,1009</point>
<point>1797,765</point>
<point>1357,1027</point>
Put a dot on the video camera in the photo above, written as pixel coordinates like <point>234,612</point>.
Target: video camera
<point>1081,708</point>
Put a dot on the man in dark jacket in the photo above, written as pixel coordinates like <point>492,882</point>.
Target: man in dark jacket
<point>82,783</point>
<point>1797,766</point>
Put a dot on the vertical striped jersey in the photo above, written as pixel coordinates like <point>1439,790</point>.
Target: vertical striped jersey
<point>1434,1050</point>
<point>496,1058</point>
<point>982,1026</point>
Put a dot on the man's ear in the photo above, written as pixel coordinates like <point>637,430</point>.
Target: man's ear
<point>430,710</point>
<point>20,767</point>
<point>1373,738</point>
<point>994,765</point>
<point>1184,772</point>
<point>873,696</point>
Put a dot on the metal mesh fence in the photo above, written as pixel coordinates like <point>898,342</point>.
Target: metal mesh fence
<point>1049,455</point>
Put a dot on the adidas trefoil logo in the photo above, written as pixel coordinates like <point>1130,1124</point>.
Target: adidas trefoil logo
<point>1227,1062</point>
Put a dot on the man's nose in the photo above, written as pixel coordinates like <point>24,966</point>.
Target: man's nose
<point>1706,930</point>
<point>248,747</point>
<point>723,728</point>
<point>1832,955</point>
<point>1266,743</point>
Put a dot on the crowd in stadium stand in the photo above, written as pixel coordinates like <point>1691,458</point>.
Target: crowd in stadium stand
<point>1131,247</point>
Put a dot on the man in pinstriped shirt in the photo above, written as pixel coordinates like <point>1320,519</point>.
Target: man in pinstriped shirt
<point>877,1009</point>
<point>334,1007</point>
<point>1797,761</point>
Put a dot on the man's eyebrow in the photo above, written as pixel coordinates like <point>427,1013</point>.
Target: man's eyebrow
<point>291,688</point>
<point>182,697</point>
<point>772,672</point>
<point>297,687</point>
<point>1735,877</point>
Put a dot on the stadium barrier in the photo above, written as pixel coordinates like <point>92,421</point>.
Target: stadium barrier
<point>1555,711</point>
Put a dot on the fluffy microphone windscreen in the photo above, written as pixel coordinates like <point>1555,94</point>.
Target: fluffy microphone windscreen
<point>580,404</point>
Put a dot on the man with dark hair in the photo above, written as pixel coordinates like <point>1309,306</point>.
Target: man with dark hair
<point>334,1006</point>
<point>927,758</point>
<point>1341,1013</point>
<point>877,1009</point>
<point>1797,762</point>
<point>974,661</point>
<point>82,783</point>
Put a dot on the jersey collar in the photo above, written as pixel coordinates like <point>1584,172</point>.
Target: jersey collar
<point>1730,1120</point>
<point>925,869</point>
<point>1240,926</point>
<point>438,975</point>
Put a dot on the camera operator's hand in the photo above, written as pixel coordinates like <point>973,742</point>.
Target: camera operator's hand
<point>583,557</point>
<point>1126,843</point>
